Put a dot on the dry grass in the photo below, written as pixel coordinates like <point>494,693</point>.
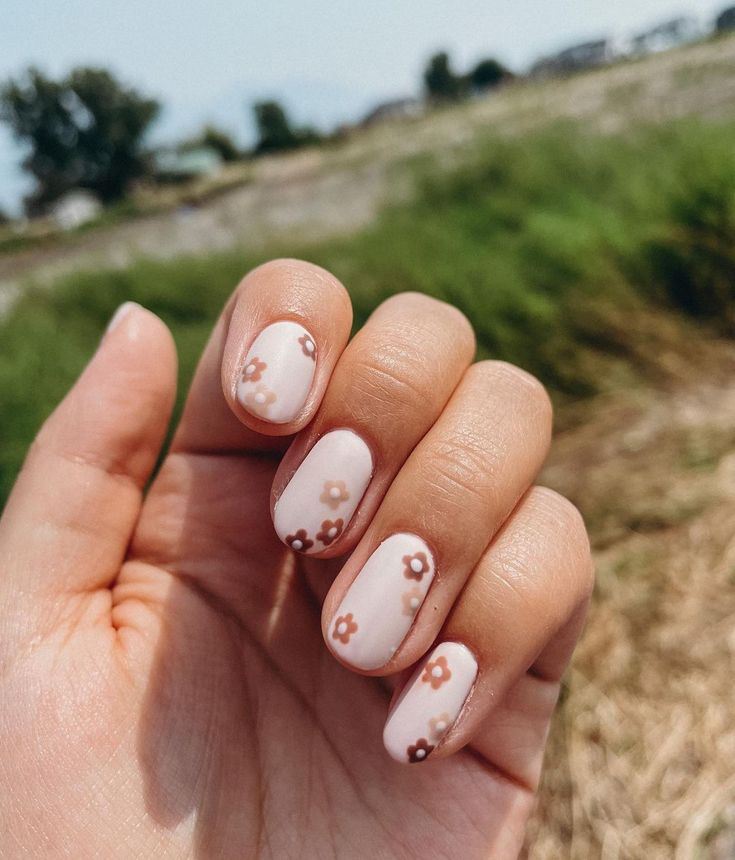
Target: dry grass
<point>641,762</point>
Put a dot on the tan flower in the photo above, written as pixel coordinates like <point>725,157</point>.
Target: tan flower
<point>308,347</point>
<point>438,726</point>
<point>253,370</point>
<point>416,566</point>
<point>260,400</point>
<point>331,530</point>
<point>436,672</point>
<point>300,541</point>
<point>419,751</point>
<point>344,627</point>
<point>334,493</point>
<point>411,600</point>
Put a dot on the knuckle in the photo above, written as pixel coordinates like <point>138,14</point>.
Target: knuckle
<point>461,468</point>
<point>567,523</point>
<point>439,315</point>
<point>518,384</point>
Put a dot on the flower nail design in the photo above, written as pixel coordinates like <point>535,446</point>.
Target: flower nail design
<point>253,370</point>
<point>300,541</point>
<point>308,347</point>
<point>344,627</point>
<point>411,600</point>
<point>436,672</point>
<point>260,399</point>
<point>438,725</point>
<point>331,530</point>
<point>334,493</point>
<point>416,566</point>
<point>419,751</point>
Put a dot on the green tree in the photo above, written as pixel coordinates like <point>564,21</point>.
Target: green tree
<point>85,130</point>
<point>488,73</point>
<point>275,131</point>
<point>220,141</point>
<point>440,81</point>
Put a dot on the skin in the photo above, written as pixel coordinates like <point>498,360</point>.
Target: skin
<point>165,689</point>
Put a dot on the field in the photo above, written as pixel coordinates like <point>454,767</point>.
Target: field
<point>598,251</point>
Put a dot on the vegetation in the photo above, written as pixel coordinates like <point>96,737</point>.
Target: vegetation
<point>275,131</point>
<point>553,245</point>
<point>443,84</point>
<point>85,131</point>
<point>219,140</point>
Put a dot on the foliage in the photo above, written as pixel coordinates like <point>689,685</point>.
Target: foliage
<point>221,142</point>
<point>488,73</point>
<point>84,130</point>
<point>554,245</point>
<point>275,132</point>
<point>441,83</point>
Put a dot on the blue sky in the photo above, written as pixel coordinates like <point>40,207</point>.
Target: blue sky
<point>326,59</point>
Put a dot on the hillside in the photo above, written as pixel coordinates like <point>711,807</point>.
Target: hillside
<point>338,189</point>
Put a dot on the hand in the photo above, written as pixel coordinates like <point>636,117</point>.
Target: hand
<point>166,691</point>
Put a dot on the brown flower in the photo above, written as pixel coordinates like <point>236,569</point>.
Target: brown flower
<point>436,672</point>
<point>253,370</point>
<point>344,627</point>
<point>416,566</point>
<point>335,492</point>
<point>259,400</point>
<point>330,531</point>
<point>438,725</point>
<point>419,751</point>
<point>300,541</point>
<point>308,347</point>
<point>411,600</point>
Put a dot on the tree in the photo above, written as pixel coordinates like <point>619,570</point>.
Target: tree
<point>220,141</point>
<point>487,74</point>
<point>440,81</point>
<point>275,131</point>
<point>85,131</point>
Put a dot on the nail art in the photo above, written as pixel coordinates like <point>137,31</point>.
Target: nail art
<point>318,502</point>
<point>430,703</point>
<point>278,372</point>
<point>382,601</point>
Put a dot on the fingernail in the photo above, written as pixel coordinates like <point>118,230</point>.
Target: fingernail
<point>120,315</point>
<point>318,502</point>
<point>379,607</point>
<point>430,703</point>
<point>277,373</point>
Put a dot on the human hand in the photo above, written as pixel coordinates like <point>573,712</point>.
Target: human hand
<point>165,687</point>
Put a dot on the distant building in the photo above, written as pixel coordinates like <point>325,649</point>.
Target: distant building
<point>407,108</point>
<point>725,20</point>
<point>175,165</point>
<point>588,55</point>
<point>667,35</point>
<point>75,208</point>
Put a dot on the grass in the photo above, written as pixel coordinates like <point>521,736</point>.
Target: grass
<point>555,246</point>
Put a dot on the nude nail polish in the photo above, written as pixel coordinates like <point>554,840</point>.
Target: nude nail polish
<point>430,702</point>
<point>318,502</point>
<point>380,605</point>
<point>278,372</point>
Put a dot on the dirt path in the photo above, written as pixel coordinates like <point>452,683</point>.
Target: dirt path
<point>339,189</point>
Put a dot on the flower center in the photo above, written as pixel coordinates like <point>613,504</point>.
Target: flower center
<point>420,753</point>
<point>437,671</point>
<point>335,492</point>
<point>260,397</point>
<point>250,369</point>
<point>332,532</point>
<point>441,726</point>
<point>414,602</point>
<point>342,628</point>
<point>297,544</point>
<point>416,565</point>
<point>309,346</point>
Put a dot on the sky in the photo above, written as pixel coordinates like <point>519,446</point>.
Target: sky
<point>327,60</point>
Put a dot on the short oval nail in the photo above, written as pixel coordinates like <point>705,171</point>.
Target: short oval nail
<point>278,372</point>
<point>430,702</point>
<point>380,605</point>
<point>318,502</point>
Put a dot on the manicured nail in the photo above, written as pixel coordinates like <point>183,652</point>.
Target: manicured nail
<point>278,372</point>
<point>430,703</point>
<point>378,609</point>
<point>120,315</point>
<point>320,499</point>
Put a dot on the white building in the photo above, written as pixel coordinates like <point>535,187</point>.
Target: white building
<point>75,208</point>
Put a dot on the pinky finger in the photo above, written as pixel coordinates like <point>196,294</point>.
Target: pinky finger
<point>505,644</point>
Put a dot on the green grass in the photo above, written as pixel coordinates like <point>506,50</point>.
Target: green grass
<point>551,245</point>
